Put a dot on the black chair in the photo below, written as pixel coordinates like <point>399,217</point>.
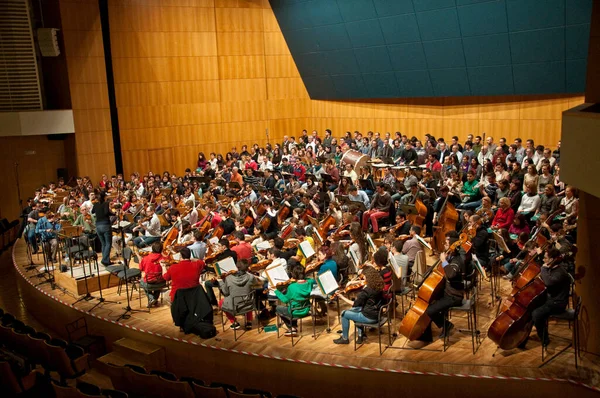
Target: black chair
<point>242,305</point>
<point>468,306</point>
<point>571,315</point>
<point>78,334</point>
<point>383,318</point>
<point>296,306</point>
<point>88,389</point>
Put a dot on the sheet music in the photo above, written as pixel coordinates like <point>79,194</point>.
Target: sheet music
<point>213,240</point>
<point>327,283</point>
<point>264,245</point>
<point>225,265</point>
<point>371,243</point>
<point>399,264</point>
<point>479,267</point>
<point>354,258</point>
<point>306,249</point>
<point>422,241</point>
<point>276,274</point>
<point>318,237</point>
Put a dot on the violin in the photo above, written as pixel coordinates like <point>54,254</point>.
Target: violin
<point>350,288</point>
<point>261,265</point>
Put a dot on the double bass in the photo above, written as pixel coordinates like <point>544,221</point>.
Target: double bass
<point>419,218</point>
<point>416,320</point>
<point>446,222</point>
<point>514,323</point>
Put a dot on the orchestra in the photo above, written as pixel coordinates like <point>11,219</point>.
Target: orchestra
<point>314,207</point>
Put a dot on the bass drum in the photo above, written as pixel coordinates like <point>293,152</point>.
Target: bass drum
<point>355,158</point>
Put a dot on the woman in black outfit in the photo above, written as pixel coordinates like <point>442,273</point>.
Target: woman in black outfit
<point>103,228</point>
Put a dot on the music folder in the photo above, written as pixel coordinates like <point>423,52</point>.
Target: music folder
<point>276,274</point>
<point>327,283</point>
<point>234,185</point>
<point>306,249</point>
<point>409,209</point>
<point>422,241</point>
<point>355,203</point>
<point>326,177</point>
<point>225,265</point>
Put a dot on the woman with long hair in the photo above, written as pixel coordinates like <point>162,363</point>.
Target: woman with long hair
<point>365,308</point>
<point>359,249</point>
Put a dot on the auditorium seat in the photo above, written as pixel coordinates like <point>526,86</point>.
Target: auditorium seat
<point>234,394</point>
<point>13,384</point>
<point>37,352</point>
<point>209,392</point>
<point>67,359</point>
<point>175,388</point>
<point>61,391</point>
<point>88,389</point>
<point>78,334</point>
<point>116,374</point>
<point>114,393</point>
<point>141,383</point>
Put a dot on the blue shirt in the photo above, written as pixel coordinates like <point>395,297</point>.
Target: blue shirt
<point>43,224</point>
<point>329,265</point>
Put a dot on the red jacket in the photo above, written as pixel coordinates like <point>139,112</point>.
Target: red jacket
<point>503,218</point>
<point>183,275</point>
<point>243,251</point>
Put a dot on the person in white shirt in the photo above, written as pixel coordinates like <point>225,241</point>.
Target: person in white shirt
<point>456,152</point>
<point>349,172</point>
<point>88,204</point>
<point>151,229</point>
<point>484,155</point>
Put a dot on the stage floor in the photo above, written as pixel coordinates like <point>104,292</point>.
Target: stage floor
<point>458,360</point>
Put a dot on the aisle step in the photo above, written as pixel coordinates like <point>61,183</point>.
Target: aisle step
<point>150,355</point>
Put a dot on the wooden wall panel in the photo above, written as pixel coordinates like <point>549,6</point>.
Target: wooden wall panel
<point>242,67</point>
<point>81,30</point>
<point>206,75</point>
<point>241,43</point>
<point>281,66</point>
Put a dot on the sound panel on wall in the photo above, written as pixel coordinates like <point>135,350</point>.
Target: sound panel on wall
<point>352,49</point>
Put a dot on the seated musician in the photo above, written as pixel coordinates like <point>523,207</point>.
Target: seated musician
<point>236,176</point>
<point>234,287</point>
<point>381,264</point>
<point>298,294</point>
<point>351,173</point>
<point>198,248</point>
<point>286,167</point>
<point>365,308</point>
<point>300,234</point>
<point>226,223</point>
<point>332,171</point>
<point>151,230</point>
<point>278,244</point>
<point>88,222</point>
<point>411,247</point>
<point>416,192</point>
<point>558,284</point>
<point>480,240</point>
<point>433,163</point>
<point>380,208</point>
<point>46,227</point>
<point>454,269</point>
<point>70,212</point>
<point>510,264</point>
<point>358,195</point>
<point>273,228</point>
<point>243,249</point>
<point>152,279</point>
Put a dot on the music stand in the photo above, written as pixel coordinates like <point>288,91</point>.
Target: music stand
<point>367,184</point>
<point>235,185</point>
<point>327,178</point>
<point>73,234</point>
<point>357,204</point>
<point>101,299</point>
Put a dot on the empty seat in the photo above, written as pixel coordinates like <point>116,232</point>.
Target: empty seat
<point>116,373</point>
<point>67,359</point>
<point>209,392</point>
<point>114,394</point>
<point>12,383</point>
<point>88,389</point>
<point>62,391</point>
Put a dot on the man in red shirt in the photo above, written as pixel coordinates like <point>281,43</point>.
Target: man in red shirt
<point>243,249</point>
<point>152,279</point>
<point>184,274</point>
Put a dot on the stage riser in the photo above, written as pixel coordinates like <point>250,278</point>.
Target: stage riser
<point>281,377</point>
<point>77,286</point>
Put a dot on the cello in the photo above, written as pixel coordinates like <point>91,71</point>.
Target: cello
<point>419,218</point>
<point>416,320</point>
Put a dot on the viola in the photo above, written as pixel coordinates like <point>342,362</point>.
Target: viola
<point>261,265</point>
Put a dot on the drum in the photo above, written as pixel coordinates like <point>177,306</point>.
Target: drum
<point>355,158</point>
<point>399,172</point>
<point>379,171</point>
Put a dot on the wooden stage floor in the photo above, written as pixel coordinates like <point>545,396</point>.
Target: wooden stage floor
<point>458,360</point>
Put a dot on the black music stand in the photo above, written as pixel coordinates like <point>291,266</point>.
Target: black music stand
<point>74,255</point>
<point>93,256</point>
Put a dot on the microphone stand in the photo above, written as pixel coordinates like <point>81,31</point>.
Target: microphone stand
<point>126,259</point>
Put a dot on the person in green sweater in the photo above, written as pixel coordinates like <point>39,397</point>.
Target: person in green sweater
<point>470,194</point>
<point>297,295</point>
